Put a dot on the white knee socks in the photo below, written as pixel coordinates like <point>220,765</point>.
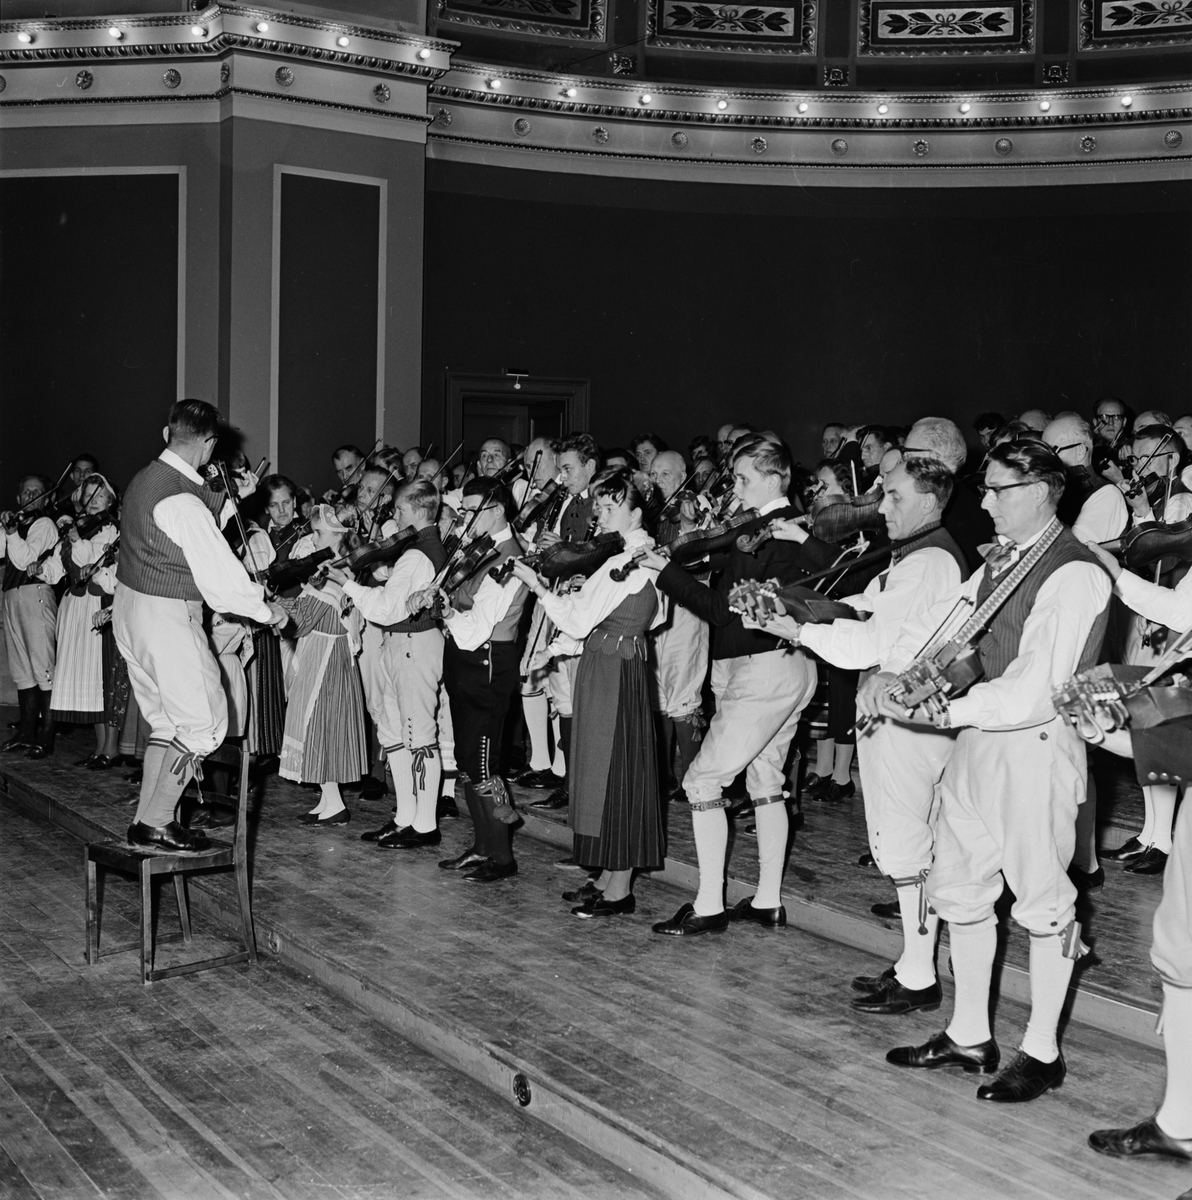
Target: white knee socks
<point>1050,972</point>
<point>916,968</point>
<point>534,709</point>
<point>773,826</point>
<point>400,764</point>
<point>711,846</point>
<point>973,948</point>
<point>426,798</point>
<point>1175,1114</point>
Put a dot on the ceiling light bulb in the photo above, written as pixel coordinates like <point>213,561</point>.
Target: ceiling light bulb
<point>116,33</point>
<point>1127,101</point>
<point>262,27</point>
<point>645,98</point>
<point>722,105</point>
<point>1044,105</point>
<point>424,53</point>
<point>199,30</point>
<point>965,107</point>
<point>571,93</point>
<point>24,37</point>
<point>883,109</point>
<point>495,84</point>
<point>341,41</point>
<point>803,107</point>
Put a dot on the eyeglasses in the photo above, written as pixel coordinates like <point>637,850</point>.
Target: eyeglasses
<point>983,489</point>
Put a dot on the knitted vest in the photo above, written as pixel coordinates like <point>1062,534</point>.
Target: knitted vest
<point>14,578</point>
<point>464,596</point>
<point>150,562</point>
<point>998,645</point>
<point>428,542</point>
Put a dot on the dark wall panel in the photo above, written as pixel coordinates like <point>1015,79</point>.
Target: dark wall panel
<point>88,321</point>
<point>946,304</point>
<point>327,340</point>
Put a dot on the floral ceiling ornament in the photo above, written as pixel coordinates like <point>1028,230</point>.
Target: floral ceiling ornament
<point>172,78</point>
<point>83,80</point>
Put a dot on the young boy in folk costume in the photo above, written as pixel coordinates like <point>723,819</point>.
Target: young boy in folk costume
<point>324,740</point>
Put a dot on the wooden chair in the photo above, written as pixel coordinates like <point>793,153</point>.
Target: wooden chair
<point>146,864</point>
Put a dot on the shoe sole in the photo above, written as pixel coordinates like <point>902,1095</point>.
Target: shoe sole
<point>891,1011</point>
<point>1051,1087</point>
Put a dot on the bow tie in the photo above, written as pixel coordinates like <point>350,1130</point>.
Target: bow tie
<point>998,556</point>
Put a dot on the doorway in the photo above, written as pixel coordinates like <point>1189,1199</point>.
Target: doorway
<point>479,407</point>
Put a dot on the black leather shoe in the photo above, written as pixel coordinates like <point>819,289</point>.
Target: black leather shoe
<point>375,835</point>
<point>886,908</point>
<point>942,1051</point>
<point>1087,882</point>
<point>172,838</point>
<point>581,895</point>
<point>491,872</point>
<point>539,779</point>
<point>469,858</point>
<point>892,999</point>
<point>1152,861</point>
<point>685,923</point>
<point>1126,851</point>
<point>866,860</point>
<point>208,816</point>
<point>871,983</point>
<point>812,782</point>
<point>409,839</point>
<point>557,799</point>
<point>373,789</point>
<point>600,907</point>
<point>38,751</point>
<point>447,809</point>
<point>1144,1138</point>
<point>16,743</point>
<point>1024,1079</point>
<point>832,792</point>
<point>340,818</point>
<point>771,918</point>
<point>100,762</point>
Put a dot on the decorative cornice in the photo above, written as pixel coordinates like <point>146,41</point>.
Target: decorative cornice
<point>218,29</point>
<point>726,108</point>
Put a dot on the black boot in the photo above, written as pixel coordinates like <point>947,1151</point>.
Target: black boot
<point>43,747</point>
<point>26,734</point>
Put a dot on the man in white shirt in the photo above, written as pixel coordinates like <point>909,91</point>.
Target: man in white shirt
<point>173,559</point>
<point>1009,793</point>
<point>1092,506</point>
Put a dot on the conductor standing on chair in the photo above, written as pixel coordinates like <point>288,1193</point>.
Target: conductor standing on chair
<point>173,558</point>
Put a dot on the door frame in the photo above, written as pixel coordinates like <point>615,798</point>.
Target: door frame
<point>576,398</point>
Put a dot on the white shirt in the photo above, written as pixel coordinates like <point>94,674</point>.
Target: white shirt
<point>578,614</point>
<point>1163,605</point>
<point>913,584</point>
<point>258,552</point>
<point>23,552</point>
<point>470,630</point>
<point>1179,509</point>
<point>1103,516</point>
<point>1053,639</point>
<point>88,551</point>
<point>388,605</point>
<point>218,573</point>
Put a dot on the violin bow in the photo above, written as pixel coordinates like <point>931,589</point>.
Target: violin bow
<point>529,484</point>
<point>44,495</point>
<point>445,463</point>
<point>222,468</point>
<point>682,488</point>
<point>368,508</point>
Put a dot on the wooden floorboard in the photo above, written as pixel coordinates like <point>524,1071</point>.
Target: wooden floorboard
<point>738,1052</point>
<point>239,1082</point>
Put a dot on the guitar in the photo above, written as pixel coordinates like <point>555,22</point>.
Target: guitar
<point>761,599</point>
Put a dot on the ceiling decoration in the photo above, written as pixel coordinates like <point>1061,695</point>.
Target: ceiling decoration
<point>1119,24</point>
<point>943,28</point>
<point>576,19</point>
<point>739,28</point>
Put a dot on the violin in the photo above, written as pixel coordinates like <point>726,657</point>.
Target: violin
<point>478,555</point>
<point>723,535</point>
<point>835,517</point>
<point>281,576</point>
<point>89,524</point>
<point>544,510</point>
<point>564,559</point>
<point>386,551</point>
<point>1151,542</point>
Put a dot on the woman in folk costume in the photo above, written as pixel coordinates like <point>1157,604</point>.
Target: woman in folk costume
<point>616,814</point>
<point>89,559</point>
<point>324,740</point>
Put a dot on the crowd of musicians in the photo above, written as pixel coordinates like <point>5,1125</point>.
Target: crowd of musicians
<point>662,625</point>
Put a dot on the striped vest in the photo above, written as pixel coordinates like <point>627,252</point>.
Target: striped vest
<point>428,542</point>
<point>464,596</point>
<point>998,645</point>
<point>150,562</point>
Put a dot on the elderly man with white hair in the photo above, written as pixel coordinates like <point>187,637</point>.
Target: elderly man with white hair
<point>1092,506</point>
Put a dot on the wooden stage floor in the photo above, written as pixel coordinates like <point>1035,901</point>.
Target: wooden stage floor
<point>727,1065</point>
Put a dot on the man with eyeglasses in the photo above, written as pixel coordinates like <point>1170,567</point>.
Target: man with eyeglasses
<point>1091,506</point>
<point>1009,794</point>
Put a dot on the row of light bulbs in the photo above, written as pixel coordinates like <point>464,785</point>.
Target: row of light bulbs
<point>114,31</point>
<point>882,109</point>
